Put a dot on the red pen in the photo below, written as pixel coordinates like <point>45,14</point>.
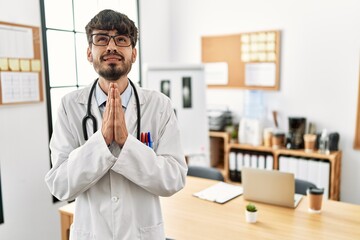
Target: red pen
<point>142,138</point>
<point>146,139</point>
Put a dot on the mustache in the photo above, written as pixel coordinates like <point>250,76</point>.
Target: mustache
<point>112,54</point>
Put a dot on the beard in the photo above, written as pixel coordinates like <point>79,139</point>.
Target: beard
<point>113,72</point>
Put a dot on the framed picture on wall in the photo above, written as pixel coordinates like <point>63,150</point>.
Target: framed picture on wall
<point>186,91</point>
<point>165,87</point>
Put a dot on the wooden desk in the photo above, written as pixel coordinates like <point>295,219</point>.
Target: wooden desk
<point>187,217</point>
<point>66,218</point>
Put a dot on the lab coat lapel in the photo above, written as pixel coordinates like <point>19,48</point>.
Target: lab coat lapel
<point>130,115</point>
<point>83,100</point>
<point>97,114</point>
<point>131,112</point>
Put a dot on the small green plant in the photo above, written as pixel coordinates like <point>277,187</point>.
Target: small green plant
<point>251,207</point>
<point>234,134</point>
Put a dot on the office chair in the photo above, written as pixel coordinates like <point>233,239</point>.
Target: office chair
<point>205,172</point>
<point>301,186</point>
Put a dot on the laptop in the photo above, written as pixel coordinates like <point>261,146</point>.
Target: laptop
<point>270,186</point>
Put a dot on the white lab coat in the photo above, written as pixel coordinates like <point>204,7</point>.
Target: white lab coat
<point>117,190</point>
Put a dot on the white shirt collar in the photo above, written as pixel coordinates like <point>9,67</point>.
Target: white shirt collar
<point>101,97</point>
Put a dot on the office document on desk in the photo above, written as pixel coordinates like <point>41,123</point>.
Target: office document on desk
<point>220,192</point>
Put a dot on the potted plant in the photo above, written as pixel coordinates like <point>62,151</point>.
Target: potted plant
<point>251,213</point>
<point>234,135</point>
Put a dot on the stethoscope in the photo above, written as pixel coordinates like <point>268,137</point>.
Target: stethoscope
<point>91,117</point>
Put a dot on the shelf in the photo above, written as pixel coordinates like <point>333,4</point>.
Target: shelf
<point>302,153</point>
<point>223,135</point>
<point>250,147</point>
<point>334,159</point>
<point>222,162</point>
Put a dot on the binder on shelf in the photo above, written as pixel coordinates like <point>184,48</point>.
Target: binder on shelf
<point>313,167</point>
<point>253,160</point>
<point>232,166</point>
<point>261,162</point>
<point>239,165</point>
<point>303,168</point>
<point>239,161</point>
<point>247,160</point>
<point>292,165</point>
<point>269,162</point>
<point>297,167</point>
<point>324,177</point>
<point>283,164</point>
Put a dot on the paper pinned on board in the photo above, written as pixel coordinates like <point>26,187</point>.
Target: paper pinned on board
<point>16,42</point>
<point>19,87</point>
<point>25,65</point>
<point>216,73</point>
<point>260,74</point>
<point>4,64</point>
<point>35,65</point>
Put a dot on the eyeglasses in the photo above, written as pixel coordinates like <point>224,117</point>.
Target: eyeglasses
<point>104,39</point>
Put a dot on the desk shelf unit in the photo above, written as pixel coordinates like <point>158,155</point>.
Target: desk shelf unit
<point>334,158</point>
<point>219,146</point>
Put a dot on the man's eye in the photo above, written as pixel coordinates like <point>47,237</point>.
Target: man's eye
<point>102,39</point>
<point>121,39</point>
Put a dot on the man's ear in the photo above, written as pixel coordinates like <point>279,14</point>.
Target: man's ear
<point>89,55</point>
<point>134,54</point>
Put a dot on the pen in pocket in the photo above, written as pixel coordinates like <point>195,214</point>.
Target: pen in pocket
<point>145,138</point>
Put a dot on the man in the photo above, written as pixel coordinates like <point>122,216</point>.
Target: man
<point>115,178</point>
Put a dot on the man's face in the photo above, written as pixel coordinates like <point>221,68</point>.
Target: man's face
<point>111,61</point>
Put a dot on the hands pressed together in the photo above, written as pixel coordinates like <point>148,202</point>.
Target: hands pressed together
<point>113,125</point>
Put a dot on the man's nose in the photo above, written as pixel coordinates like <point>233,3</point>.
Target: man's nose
<point>111,45</point>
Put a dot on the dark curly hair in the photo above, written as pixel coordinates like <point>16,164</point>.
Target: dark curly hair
<point>111,20</point>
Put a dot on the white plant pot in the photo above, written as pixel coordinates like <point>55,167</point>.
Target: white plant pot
<point>251,217</point>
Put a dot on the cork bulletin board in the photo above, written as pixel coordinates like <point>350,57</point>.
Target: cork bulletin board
<point>20,64</point>
<point>252,59</point>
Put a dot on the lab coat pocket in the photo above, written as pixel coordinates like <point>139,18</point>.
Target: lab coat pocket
<point>152,232</point>
<point>77,234</point>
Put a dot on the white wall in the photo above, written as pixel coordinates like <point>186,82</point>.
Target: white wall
<point>24,156</point>
<point>154,31</point>
<point>319,59</point>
